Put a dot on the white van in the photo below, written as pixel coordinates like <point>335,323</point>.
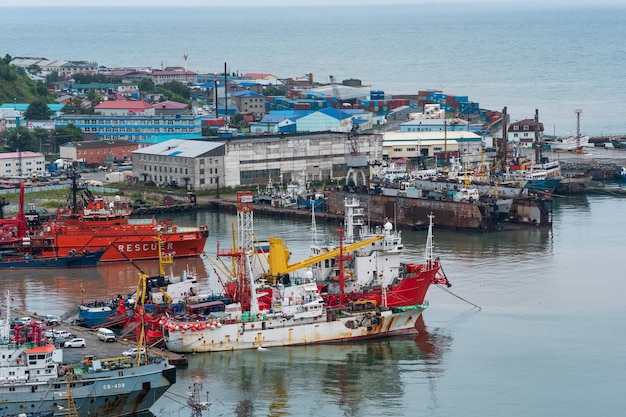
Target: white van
<point>106,335</point>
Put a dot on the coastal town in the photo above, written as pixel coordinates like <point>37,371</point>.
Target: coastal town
<point>248,143</point>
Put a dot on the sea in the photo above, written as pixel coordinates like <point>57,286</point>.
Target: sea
<point>534,323</point>
<point>556,57</point>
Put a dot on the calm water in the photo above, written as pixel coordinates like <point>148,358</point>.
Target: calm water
<point>554,58</point>
<point>548,340</point>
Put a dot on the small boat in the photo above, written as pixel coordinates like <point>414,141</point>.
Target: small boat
<point>619,143</point>
<point>568,144</point>
<point>16,259</point>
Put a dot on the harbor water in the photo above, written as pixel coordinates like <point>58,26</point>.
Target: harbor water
<point>547,340</point>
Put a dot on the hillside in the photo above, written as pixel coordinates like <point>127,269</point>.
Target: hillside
<point>15,86</point>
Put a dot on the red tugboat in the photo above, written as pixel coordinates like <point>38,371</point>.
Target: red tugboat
<point>92,223</point>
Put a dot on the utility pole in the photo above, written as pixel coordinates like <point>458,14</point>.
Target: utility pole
<point>226,95</point>
<point>578,112</point>
<point>537,141</point>
<point>504,146</point>
<point>445,142</point>
<point>19,154</point>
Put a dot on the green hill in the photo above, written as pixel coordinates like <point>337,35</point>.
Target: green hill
<point>16,86</point>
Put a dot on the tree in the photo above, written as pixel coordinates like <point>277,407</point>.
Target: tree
<point>146,85</point>
<point>270,90</point>
<point>177,88</point>
<point>53,77</point>
<point>42,89</point>
<point>21,139</point>
<point>38,110</point>
<point>34,69</point>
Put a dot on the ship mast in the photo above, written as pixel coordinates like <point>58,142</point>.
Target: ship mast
<point>429,243</point>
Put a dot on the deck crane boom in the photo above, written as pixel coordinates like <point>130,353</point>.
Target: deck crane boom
<point>279,255</point>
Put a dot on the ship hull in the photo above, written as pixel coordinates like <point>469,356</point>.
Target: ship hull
<point>278,331</point>
<point>125,245</point>
<point>103,394</point>
<point>411,290</point>
<point>85,260</point>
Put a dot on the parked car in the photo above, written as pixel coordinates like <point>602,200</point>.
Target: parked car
<point>133,352</point>
<point>50,320</point>
<point>75,343</point>
<point>106,335</point>
<point>58,334</point>
<point>24,321</point>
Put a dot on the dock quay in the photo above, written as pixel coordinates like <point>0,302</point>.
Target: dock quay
<point>96,347</point>
<point>411,213</point>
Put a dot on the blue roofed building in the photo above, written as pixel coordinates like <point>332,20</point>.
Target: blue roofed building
<point>325,120</point>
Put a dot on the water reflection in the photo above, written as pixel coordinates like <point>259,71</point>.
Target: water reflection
<point>349,379</point>
<point>59,290</point>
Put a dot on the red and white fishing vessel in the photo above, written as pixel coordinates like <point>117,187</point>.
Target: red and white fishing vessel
<point>375,272</point>
<point>92,223</point>
<point>283,306</point>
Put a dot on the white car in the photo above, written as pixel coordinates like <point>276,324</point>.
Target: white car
<point>58,334</point>
<point>133,352</point>
<point>75,343</point>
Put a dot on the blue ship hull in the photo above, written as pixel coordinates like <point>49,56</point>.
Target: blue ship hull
<point>81,260</point>
<point>544,186</point>
<point>91,316</point>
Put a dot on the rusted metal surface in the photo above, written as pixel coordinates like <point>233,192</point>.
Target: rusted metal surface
<point>408,212</point>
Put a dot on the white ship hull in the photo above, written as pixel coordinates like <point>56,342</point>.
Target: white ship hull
<point>278,331</point>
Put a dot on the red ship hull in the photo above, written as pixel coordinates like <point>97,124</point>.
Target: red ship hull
<point>410,291</point>
<point>124,242</point>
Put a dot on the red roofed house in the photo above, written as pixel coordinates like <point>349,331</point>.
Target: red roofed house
<point>125,108</point>
<point>523,132</point>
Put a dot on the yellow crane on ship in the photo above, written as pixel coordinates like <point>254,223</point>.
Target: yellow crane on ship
<point>279,256</point>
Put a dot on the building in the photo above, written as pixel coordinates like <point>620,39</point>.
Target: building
<point>398,145</point>
<point>182,76</point>
<point>283,158</point>
<point>523,132</point>
<point>98,152</point>
<point>63,68</point>
<point>248,102</point>
<point>328,119</point>
<point>191,164</point>
<point>22,164</point>
<point>434,125</point>
<point>171,108</point>
<point>125,108</point>
<point>134,127</point>
<point>9,119</point>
